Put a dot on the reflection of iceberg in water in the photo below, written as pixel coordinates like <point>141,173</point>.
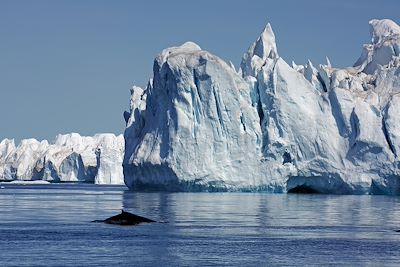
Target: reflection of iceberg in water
<point>208,215</point>
<point>151,205</point>
<point>195,208</point>
<point>54,203</point>
<point>227,211</point>
<point>268,227</point>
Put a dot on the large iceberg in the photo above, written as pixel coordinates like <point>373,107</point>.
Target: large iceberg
<point>200,125</point>
<point>197,128</point>
<point>71,158</point>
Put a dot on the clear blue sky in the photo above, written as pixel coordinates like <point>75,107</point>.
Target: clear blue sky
<point>67,66</point>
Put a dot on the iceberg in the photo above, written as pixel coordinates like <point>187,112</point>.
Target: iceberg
<point>71,158</point>
<point>197,127</point>
<point>200,125</point>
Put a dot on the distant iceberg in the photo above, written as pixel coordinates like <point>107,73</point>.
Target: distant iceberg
<point>71,158</point>
<point>26,182</point>
<point>200,125</point>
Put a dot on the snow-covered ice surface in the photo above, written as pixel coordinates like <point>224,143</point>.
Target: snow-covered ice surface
<point>200,125</point>
<point>71,158</point>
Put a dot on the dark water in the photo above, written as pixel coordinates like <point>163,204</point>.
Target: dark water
<point>48,225</point>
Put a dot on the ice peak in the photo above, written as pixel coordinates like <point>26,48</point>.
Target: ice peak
<point>136,91</point>
<point>383,29</point>
<point>309,64</point>
<point>264,47</point>
<point>265,44</point>
<point>7,141</point>
<point>188,47</point>
<point>385,44</point>
<point>137,97</point>
<point>6,147</point>
<point>328,62</point>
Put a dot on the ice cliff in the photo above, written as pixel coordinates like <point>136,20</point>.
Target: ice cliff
<point>71,158</point>
<point>197,127</point>
<point>200,125</point>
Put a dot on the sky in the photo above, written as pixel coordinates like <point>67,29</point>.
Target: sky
<point>68,66</point>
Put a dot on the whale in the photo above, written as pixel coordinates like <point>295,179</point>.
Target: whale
<point>125,218</point>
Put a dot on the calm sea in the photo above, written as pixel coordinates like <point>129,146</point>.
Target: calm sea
<point>49,225</point>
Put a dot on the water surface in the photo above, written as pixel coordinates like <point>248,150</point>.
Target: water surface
<point>49,225</point>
